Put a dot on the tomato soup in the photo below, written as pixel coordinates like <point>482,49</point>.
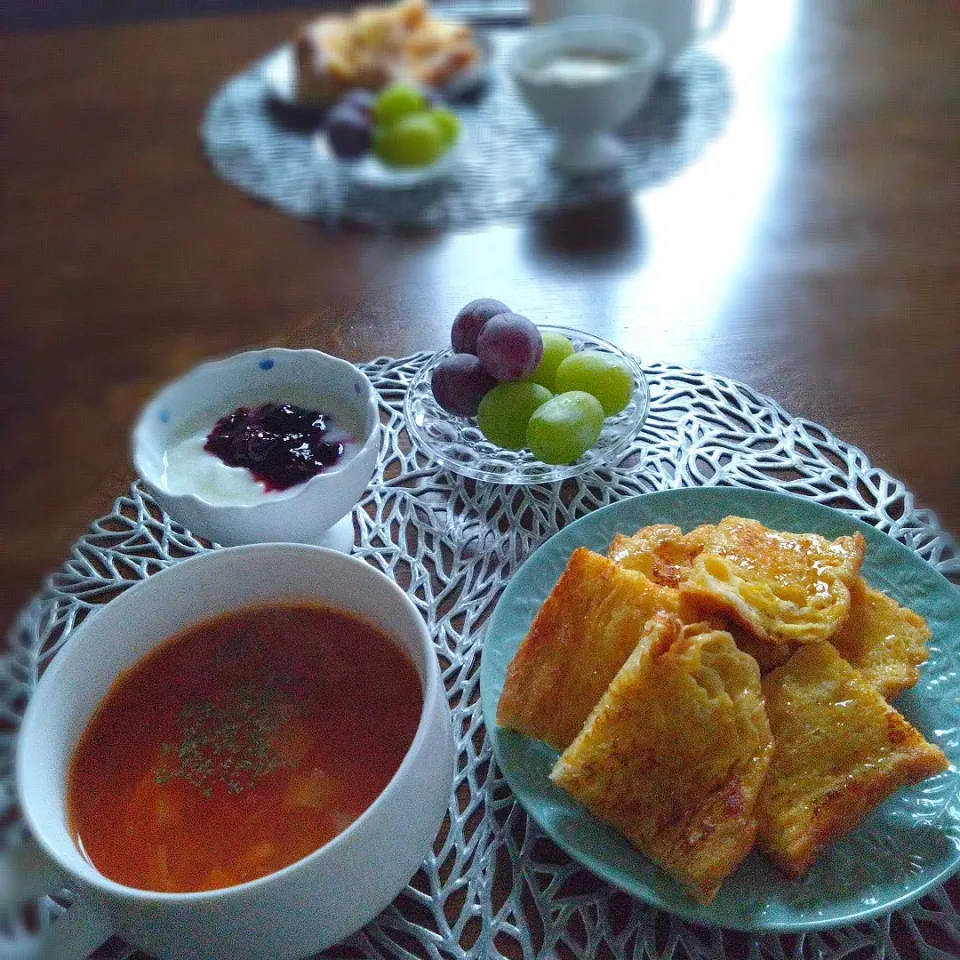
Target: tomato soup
<point>239,746</point>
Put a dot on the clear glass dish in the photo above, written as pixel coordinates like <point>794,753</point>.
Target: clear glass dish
<point>458,445</point>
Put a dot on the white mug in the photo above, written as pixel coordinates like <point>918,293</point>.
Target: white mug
<point>676,22</point>
<point>297,910</point>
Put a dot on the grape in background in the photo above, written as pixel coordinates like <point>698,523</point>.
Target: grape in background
<point>349,131</point>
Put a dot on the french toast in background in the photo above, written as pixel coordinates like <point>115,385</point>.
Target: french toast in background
<point>375,46</point>
<point>885,642</point>
<point>765,573</point>
<point>783,587</point>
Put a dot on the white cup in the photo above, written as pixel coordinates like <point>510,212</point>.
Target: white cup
<point>584,114</point>
<point>288,914</point>
<point>676,22</point>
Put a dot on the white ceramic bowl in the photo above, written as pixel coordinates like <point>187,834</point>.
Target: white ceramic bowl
<point>298,910</point>
<point>584,112</point>
<point>300,514</point>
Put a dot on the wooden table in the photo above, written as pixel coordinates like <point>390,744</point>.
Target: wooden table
<point>812,251</point>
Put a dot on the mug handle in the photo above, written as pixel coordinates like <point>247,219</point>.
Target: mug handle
<point>26,873</point>
<point>721,14</point>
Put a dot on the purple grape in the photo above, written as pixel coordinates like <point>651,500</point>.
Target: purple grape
<point>470,320</point>
<point>459,383</point>
<point>510,347</point>
<point>350,132</point>
<point>360,100</point>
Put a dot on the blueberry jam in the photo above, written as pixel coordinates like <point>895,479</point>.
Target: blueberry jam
<point>280,444</point>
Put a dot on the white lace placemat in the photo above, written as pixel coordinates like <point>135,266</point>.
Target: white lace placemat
<point>502,171</point>
<point>496,887</point>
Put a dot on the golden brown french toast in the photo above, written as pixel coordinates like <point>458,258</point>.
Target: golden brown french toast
<point>587,627</point>
<point>784,587</point>
<point>375,46</point>
<point>675,751</point>
<point>840,750</point>
<point>887,643</point>
<point>659,551</point>
<point>666,555</point>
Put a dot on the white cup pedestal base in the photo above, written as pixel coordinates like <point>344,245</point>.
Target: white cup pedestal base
<point>339,537</point>
<point>583,155</point>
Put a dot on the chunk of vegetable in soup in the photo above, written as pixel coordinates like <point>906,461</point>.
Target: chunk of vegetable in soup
<point>239,746</point>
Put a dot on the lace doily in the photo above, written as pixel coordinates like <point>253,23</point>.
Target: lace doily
<point>503,172</point>
<point>495,886</point>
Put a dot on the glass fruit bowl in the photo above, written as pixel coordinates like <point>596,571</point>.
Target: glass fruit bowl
<point>458,445</point>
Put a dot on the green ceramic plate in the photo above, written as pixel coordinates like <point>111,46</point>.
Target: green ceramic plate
<point>907,845</point>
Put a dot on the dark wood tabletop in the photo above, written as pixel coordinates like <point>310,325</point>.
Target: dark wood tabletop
<point>810,251</point>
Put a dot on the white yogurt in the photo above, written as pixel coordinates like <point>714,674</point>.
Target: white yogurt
<point>579,67</point>
<point>188,468</point>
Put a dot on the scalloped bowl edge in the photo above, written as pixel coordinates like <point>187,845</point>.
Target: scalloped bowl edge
<point>299,515</point>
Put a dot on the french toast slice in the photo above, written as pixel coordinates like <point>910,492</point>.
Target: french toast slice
<point>885,642</point>
<point>374,46</point>
<point>675,752</point>
<point>666,555</point>
<point>784,587</point>
<point>581,636</point>
<point>840,751</point>
<point>660,551</point>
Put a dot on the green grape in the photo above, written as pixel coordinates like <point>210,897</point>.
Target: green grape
<point>396,101</point>
<point>413,141</point>
<point>565,427</point>
<point>605,376</point>
<point>505,411</point>
<point>556,349</point>
<point>448,123</point>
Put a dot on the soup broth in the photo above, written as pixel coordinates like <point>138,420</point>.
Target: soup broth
<point>240,746</point>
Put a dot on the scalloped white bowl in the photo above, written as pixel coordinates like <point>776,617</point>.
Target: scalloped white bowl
<point>301,514</point>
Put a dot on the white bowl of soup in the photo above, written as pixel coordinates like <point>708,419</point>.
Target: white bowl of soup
<point>265,446</point>
<point>248,754</point>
